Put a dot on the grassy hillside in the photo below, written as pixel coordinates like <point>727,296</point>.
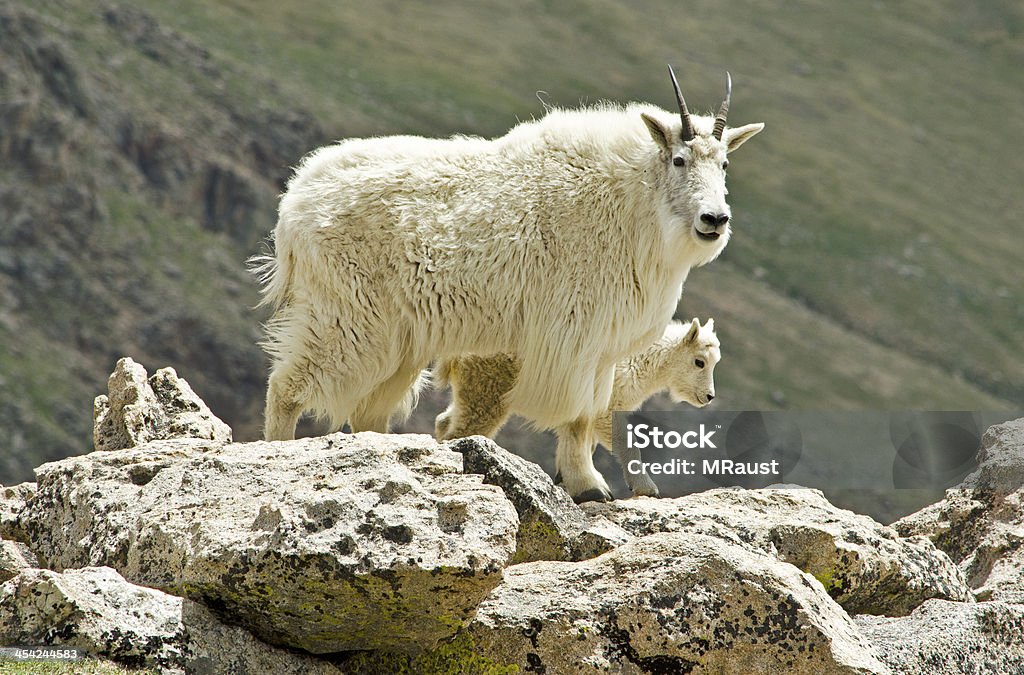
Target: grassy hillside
<point>884,194</point>
<point>875,261</point>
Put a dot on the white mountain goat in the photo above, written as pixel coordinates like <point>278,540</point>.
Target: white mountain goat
<point>682,361</point>
<point>565,242</point>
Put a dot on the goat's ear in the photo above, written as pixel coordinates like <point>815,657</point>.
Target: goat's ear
<point>659,132</point>
<point>710,325</point>
<point>691,334</point>
<point>734,138</point>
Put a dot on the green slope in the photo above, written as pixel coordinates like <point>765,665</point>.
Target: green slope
<point>884,194</point>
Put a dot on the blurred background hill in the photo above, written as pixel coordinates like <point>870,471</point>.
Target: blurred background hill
<point>877,256</point>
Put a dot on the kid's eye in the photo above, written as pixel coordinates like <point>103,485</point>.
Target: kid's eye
<point>678,161</point>
<point>699,363</point>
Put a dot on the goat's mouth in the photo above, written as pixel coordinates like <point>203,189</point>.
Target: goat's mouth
<point>707,236</point>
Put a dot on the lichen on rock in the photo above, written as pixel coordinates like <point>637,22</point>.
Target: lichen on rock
<point>865,566</point>
<point>95,610</point>
<point>669,602</point>
<point>364,541</point>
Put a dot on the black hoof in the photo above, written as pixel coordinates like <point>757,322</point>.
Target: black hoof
<point>592,495</point>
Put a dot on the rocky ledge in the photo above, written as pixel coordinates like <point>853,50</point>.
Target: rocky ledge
<point>172,548</point>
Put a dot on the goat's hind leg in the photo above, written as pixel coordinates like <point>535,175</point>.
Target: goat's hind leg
<point>478,407</point>
<point>575,463</point>
<point>287,398</point>
<point>394,397</point>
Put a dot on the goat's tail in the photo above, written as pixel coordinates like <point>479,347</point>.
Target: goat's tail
<point>274,274</point>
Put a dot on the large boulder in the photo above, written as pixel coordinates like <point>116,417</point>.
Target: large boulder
<point>96,611</point>
<point>980,524</point>
<point>362,541</point>
<point>551,525</point>
<point>138,409</point>
<point>865,566</point>
<point>950,638</point>
<point>668,603</point>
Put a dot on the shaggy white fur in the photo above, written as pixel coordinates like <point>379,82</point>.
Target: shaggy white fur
<point>681,361</point>
<point>565,242</point>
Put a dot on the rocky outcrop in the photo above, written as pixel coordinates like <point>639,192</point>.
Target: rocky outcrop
<point>950,638</point>
<point>980,524</point>
<point>865,566</point>
<point>669,603</point>
<point>551,525</point>
<point>138,410</point>
<point>373,553</point>
<point>95,610</point>
<point>329,544</point>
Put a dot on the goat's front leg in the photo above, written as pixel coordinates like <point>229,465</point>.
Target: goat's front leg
<point>574,461</point>
<point>639,483</point>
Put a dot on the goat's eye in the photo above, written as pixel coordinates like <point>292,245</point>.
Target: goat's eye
<point>699,363</point>
<point>725,164</point>
<point>678,161</point>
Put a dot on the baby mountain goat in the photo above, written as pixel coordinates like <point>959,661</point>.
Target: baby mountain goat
<point>565,242</point>
<point>682,361</point>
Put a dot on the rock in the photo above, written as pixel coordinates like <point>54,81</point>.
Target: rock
<point>551,525</point>
<point>345,542</point>
<point>865,566</point>
<point>980,524</point>
<point>1000,460</point>
<point>15,557</point>
<point>667,603</point>
<point>950,638</point>
<point>12,502</point>
<point>95,610</point>
<point>136,410</point>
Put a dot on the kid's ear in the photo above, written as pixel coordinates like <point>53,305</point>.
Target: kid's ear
<point>691,334</point>
<point>710,325</point>
<point>734,138</point>
<point>659,132</point>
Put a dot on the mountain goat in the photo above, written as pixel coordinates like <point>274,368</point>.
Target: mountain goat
<point>565,242</point>
<point>681,361</point>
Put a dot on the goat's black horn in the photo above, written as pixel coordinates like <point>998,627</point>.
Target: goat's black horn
<point>723,112</point>
<point>687,132</point>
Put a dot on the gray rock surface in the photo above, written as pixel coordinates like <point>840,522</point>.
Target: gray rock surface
<point>980,524</point>
<point>15,557</point>
<point>551,525</point>
<point>950,638</point>
<point>12,502</point>
<point>363,541</point>
<point>865,566</point>
<point>1000,460</point>
<point>668,603</point>
<point>137,410</point>
<point>95,610</point>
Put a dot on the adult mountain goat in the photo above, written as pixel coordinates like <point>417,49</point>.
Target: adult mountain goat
<point>565,241</point>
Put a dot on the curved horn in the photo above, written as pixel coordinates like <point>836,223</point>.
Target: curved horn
<point>683,112</point>
<point>723,112</point>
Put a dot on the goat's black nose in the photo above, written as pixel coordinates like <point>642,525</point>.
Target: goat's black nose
<point>714,220</point>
